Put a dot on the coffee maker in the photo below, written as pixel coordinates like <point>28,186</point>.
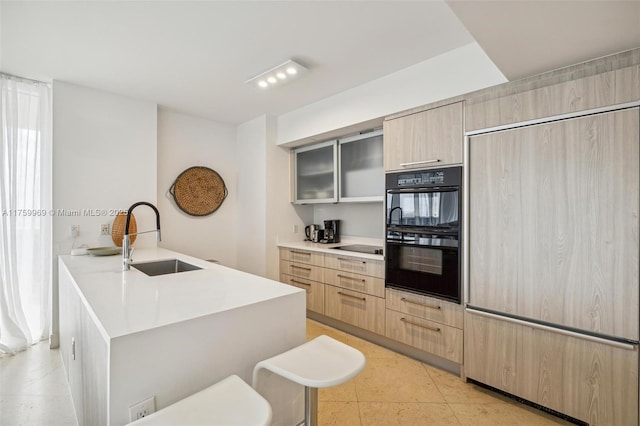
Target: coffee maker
<point>331,231</point>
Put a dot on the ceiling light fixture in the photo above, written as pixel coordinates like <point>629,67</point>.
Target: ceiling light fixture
<point>277,76</point>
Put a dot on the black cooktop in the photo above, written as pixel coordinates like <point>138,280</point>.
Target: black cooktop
<point>360,248</point>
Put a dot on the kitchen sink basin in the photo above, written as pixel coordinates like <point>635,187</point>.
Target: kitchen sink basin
<point>163,267</point>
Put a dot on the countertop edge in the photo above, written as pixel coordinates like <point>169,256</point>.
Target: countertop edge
<point>329,248</point>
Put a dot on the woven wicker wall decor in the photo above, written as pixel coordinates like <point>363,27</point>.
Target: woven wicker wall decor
<point>198,191</point>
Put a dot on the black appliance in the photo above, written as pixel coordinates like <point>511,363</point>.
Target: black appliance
<point>331,231</point>
<point>423,211</point>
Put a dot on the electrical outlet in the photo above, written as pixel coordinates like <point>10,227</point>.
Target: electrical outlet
<point>295,228</point>
<point>104,229</point>
<point>74,231</point>
<point>142,409</point>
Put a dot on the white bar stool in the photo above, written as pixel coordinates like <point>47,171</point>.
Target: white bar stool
<point>320,363</point>
<point>229,402</point>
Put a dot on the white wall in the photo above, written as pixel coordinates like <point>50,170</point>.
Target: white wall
<point>451,74</point>
<point>251,196</point>
<point>282,216</point>
<point>104,159</point>
<point>183,142</point>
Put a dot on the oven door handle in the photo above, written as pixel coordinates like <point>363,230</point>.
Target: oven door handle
<point>420,231</point>
<point>429,246</point>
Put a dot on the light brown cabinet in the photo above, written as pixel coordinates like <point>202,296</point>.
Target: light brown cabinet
<point>500,106</point>
<point>553,271</point>
<point>593,382</point>
<point>347,288</point>
<point>426,323</point>
<point>426,307</point>
<point>554,222</point>
<point>354,291</point>
<point>314,289</point>
<point>423,139</point>
<point>303,269</point>
<point>355,308</point>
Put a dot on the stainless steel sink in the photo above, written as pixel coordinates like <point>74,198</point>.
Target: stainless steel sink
<point>163,267</point>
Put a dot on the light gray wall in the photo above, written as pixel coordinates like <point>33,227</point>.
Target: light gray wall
<point>356,219</point>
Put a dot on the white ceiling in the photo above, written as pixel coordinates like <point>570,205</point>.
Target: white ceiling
<point>527,37</point>
<point>194,56</point>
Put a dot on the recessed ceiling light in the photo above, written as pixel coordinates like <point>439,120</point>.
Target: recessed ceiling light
<point>277,76</point>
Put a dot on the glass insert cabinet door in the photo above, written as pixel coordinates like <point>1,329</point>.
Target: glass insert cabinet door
<point>361,172</point>
<point>316,173</point>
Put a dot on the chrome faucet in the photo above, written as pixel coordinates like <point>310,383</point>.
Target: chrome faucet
<point>127,250</point>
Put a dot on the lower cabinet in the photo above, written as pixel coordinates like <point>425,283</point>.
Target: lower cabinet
<point>315,291</point>
<point>429,336</point>
<point>359,309</point>
<point>426,323</point>
<point>352,290</point>
<point>591,381</point>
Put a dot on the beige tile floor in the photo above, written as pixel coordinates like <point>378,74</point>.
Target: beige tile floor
<point>397,390</point>
<point>392,390</point>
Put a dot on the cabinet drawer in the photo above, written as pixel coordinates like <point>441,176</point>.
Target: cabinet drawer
<point>362,283</point>
<point>425,307</point>
<point>302,256</point>
<point>591,381</point>
<point>432,337</point>
<point>301,270</point>
<point>315,291</point>
<point>359,265</point>
<point>361,310</point>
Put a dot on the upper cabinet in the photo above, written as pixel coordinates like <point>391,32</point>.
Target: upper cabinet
<point>345,170</point>
<point>428,138</point>
<point>361,174</point>
<point>316,173</point>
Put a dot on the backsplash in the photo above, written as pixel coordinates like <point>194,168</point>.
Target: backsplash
<point>356,219</point>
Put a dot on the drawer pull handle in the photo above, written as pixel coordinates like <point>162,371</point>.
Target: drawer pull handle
<point>364,299</point>
<point>426,305</point>
<point>406,321</point>
<point>300,252</point>
<point>417,163</point>
<point>351,278</point>
<point>300,267</point>
<point>300,282</point>
<point>352,260</point>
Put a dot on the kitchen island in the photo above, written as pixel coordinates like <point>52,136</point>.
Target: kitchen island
<point>126,336</point>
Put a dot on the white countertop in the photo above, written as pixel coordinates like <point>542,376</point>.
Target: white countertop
<point>125,302</point>
<point>328,248</point>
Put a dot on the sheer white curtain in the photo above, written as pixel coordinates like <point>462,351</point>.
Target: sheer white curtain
<point>25,216</point>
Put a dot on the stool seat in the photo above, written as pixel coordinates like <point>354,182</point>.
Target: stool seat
<point>319,363</point>
<point>228,402</point>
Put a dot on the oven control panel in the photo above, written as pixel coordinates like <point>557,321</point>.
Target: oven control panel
<point>422,178</point>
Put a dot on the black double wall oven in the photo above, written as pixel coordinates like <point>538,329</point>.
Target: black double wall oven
<point>423,211</point>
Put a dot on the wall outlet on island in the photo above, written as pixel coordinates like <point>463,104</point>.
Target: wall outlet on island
<point>142,409</point>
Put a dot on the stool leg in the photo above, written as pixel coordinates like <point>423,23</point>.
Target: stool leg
<point>310,406</point>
